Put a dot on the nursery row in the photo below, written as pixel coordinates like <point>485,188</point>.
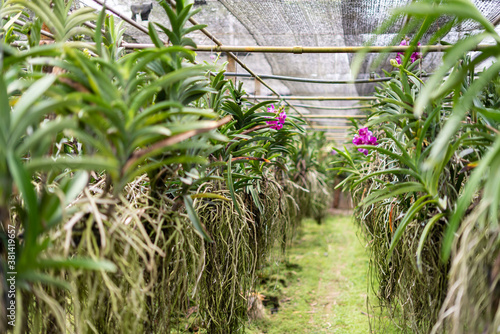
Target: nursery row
<point>425,174</point>
<point>140,191</point>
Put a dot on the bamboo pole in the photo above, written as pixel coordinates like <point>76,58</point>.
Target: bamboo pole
<point>328,49</point>
<point>311,49</point>
<point>308,80</point>
<point>331,108</point>
<point>330,127</point>
<point>322,81</point>
<point>334,116</point>
<point>314,98</point>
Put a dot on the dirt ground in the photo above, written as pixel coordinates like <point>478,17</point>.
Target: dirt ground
<point>323,287</point>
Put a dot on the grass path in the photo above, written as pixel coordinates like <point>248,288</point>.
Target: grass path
<point>325,286</point>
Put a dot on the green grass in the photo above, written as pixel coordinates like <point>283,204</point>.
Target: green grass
<point>323,287</point>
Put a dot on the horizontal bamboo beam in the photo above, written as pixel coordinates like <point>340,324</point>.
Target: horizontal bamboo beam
<point>327,49</point>
<point>313,98</point>
<point>330,108</point>
<point>309,49</point>
<point>331,127</point>
<point>334,116</point>
<point>320,81</point>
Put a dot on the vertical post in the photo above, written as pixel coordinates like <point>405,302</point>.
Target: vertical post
<point>231,66</point>
<point>258,87</point>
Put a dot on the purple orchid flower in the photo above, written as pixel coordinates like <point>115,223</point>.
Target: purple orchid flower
<point>364,137</point>
<point>414,56</point>
<point>276,124</point>
<point>357,140</point>
<point>363,150</point>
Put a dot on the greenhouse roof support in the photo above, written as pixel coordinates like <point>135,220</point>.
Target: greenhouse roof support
<point>332,127</point>
<point>328,49</point>
<point>334,116</point>
<point>330,108</point>
<point>320,81</point>
<point>307,49</point>
<point>298,79</point>
<point>315,98</point>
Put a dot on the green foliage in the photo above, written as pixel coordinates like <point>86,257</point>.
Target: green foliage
<point>312,184</point>
<point>56,15</point>
<point>436,162</point>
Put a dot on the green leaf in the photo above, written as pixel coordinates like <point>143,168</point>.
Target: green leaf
<point>77,263</point>
<point>46,129</point>
<point>154,36</point>
<point>461,9</point>
<point>458,113</point>
<point>423,238</point>
<point>401,158</point>
<point>410,214</point>
<point>464,201</point>
<point>193,216</point>
<point>402,171</point>
<point>98,33</point>
<point>393,191</point>
<point>75,186</point>
<point>452,55</point>
<point>209,195</point>
<point>30,97</point>
<point>36,277</point>
<point>22,180</point>
<point>230,185</point>
<point>4,109</point>
<point>90,163</point>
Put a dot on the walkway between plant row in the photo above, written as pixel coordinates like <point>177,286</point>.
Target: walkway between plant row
<point>323,288</point>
